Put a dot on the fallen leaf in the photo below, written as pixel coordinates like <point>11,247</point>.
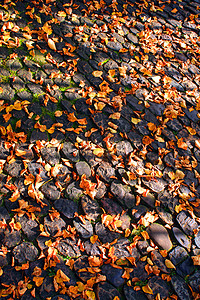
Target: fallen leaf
<point>51,44</point>
<point>97,73</point>
<point>146,289</point>
<point>169,264</point>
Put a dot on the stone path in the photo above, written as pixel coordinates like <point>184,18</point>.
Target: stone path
<point>99,150</point>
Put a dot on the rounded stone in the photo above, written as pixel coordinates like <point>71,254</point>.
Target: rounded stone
<point>160,236</point>
<point>83,168</point>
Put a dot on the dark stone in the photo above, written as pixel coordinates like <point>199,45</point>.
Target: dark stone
<point>123,194</point>
<point>92,249</point>
<point>181,238</point>
<point>158,286</point>
<point>160,236</point>
<point>29,227</point>
<point>100,190</point>
<point>180,287</point>
<point>156,185</point>
<point>51,155</point>
<point>194,281</point>
<point>37,169</point>
<point>149,200</point>
<point>74,192</point>
<point>197,239</point>
<point>90,207</point>
<point>70,152</point>
<point>69,248</point>
<point>83,168</point>
<point>50,191</point>
<point>37,135</point>
<point>92,159</point>
<point>7,93</point>
<point>177,255</point>
<point>113,275</point>
<point>13,65</point>
<point>132,38</point>
<point>54,226</point>
<point>11,238</point>
<point>139,271</point>
<point>85,229</point>
<point>14,168</point>
<point>139,211</point>
<point>124,148</point>
<point>25,75</point>
<point>35,88</point>
<point>27,153</point>
<point>47,288</point>
<point>185,268</point>
<point>131,294</point>
<point>104,234</point>
<point>105,171</point>
<point>66,207</point>
<point>111,207</point>
<point>106,291</point>
<point>116,46</point>
<point>159,261</point>
<point>11,276</point>
<point>186,222</point>
<point>142,246</point>
<point>80,267</point>
<point>121,250</point>
<point>4,215</point>
<point>25,252</point>
<point>165,216</point>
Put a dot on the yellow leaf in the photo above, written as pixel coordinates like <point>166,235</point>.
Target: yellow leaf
<point>62,14</point>
<point>17,105</point>
<point>191,130</point>
<point>48,243</point>
<point>115,116</point>
<point>47,29</point>
<point>1,271</point>
<point>179,174</point>
<point>93,238</point>
<point>98,152</point>
<point>169,264</point>
<point>90,295</point>
<point>51,44</point>
<point>97,73</point>
<point>135,121</point>
<point>38,280</point>
<point>147,289</point>
<point>99,105</point>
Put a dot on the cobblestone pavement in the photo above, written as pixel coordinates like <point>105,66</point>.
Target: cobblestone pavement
<point>99,150</point>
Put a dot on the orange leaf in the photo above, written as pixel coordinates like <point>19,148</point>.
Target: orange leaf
<point>196,260</point>
<point>93,238</point>
<point>147,140</point>
<point>51,44</point>
<point>169,264</point>
<point>174,10</point>
<point>147,289</point>
<point>95,261</point>
<point>181,144</point>
<point>71,117</point>
<point>38,280</point>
